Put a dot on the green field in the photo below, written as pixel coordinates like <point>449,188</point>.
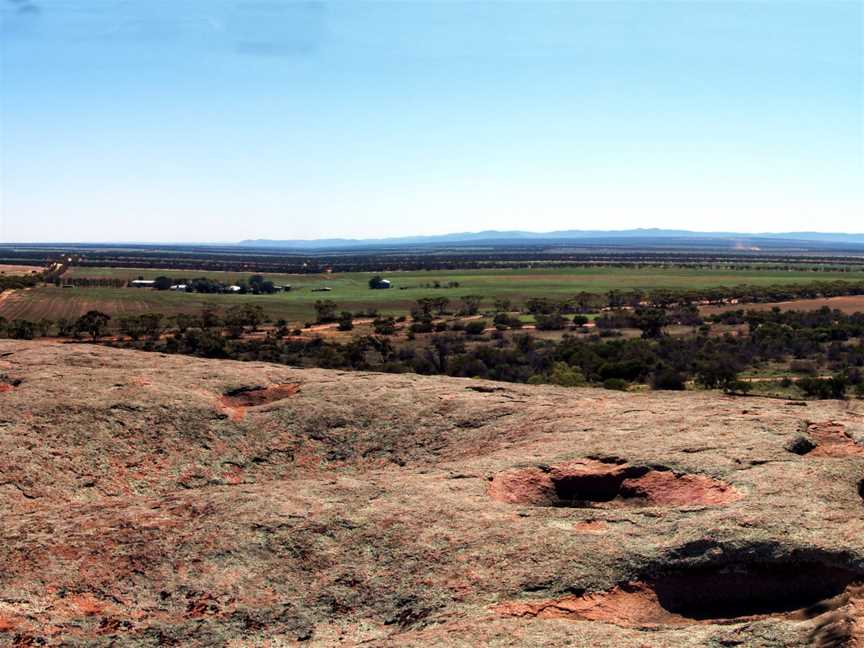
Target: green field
<point>351,292</point>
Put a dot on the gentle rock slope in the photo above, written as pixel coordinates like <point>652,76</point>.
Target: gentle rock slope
<point>152,500</point>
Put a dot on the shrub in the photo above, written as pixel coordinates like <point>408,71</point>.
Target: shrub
<point>807,367</point>
<point>93,322</point>
<point>420,327</point>
<point>346,321</point>
<point>738,387</point>
<point>475,327</point>
<point>384,326</point>
<point>470,304</point>
<point>553,322</point>
<point>617,384</point>
<point>504,321</point>
<point>668,379</point>
<point>566,376</point>
<point>823,389</point>
<point>21,329</point>
<point>325,310</point>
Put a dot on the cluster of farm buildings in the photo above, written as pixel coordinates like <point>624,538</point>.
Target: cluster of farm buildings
<point>182,287</point>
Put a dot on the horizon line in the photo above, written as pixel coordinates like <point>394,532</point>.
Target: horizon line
<point>359,239</point>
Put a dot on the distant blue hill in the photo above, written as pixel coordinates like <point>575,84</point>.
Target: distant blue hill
<point>588,236</point>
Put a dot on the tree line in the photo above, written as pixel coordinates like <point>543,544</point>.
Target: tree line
<point>817,342</point>
<point>661,362</point>
<point>525,256</point>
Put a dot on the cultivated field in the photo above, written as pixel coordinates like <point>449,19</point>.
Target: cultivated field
<point>351,292</point>
<point>846,304</point>
<point>9,270</point>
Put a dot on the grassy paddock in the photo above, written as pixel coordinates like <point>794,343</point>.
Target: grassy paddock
<point>351,291</point>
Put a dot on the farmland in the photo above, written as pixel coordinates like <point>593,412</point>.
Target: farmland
<point>846,304</point>
<point>10,270</point>
<point>350,290</point>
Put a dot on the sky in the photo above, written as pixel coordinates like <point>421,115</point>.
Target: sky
<point>222,120</point>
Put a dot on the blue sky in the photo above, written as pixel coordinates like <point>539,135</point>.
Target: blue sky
<point>218,120</point>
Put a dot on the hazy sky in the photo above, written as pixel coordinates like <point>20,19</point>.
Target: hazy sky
<point>218,120</point>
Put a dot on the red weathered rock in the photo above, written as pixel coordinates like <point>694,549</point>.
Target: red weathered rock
<point>138,508</point>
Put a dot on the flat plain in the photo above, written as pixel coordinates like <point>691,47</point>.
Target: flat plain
<point>351,291</point>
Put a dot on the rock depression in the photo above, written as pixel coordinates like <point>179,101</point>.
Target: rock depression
<point>585,484</point>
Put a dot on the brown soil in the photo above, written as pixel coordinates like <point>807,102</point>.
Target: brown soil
<point>591,483</point>
<point>729,593</point>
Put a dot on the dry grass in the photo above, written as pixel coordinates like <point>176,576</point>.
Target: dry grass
<point>18,269</point>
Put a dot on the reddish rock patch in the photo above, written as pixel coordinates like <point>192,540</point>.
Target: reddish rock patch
<point>6,623</point>
<point>234,402</point>
<point>724,594</point>
<point>591,526</point>
<point>5,387</point>
<point>630,604</point>
<point>590,483</point>
<point>841,624</point>
<point>86,604</point>
<point>201,605</point>
<point>832,441</point>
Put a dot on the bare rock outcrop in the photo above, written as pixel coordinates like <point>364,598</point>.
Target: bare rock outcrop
<point>152,500</point>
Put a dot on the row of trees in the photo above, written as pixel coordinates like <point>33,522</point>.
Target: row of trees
<point>93,323</point>
<point>256,285</point>
<point>89,282</point>
<point>235,321</point>
<point>821,338</point>
<point>16,282</point>
<point>286,261</point>
<point>664,364</point>
<point>825,338</point>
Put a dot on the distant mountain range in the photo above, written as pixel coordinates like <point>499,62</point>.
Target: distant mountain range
<point>733,239</point>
